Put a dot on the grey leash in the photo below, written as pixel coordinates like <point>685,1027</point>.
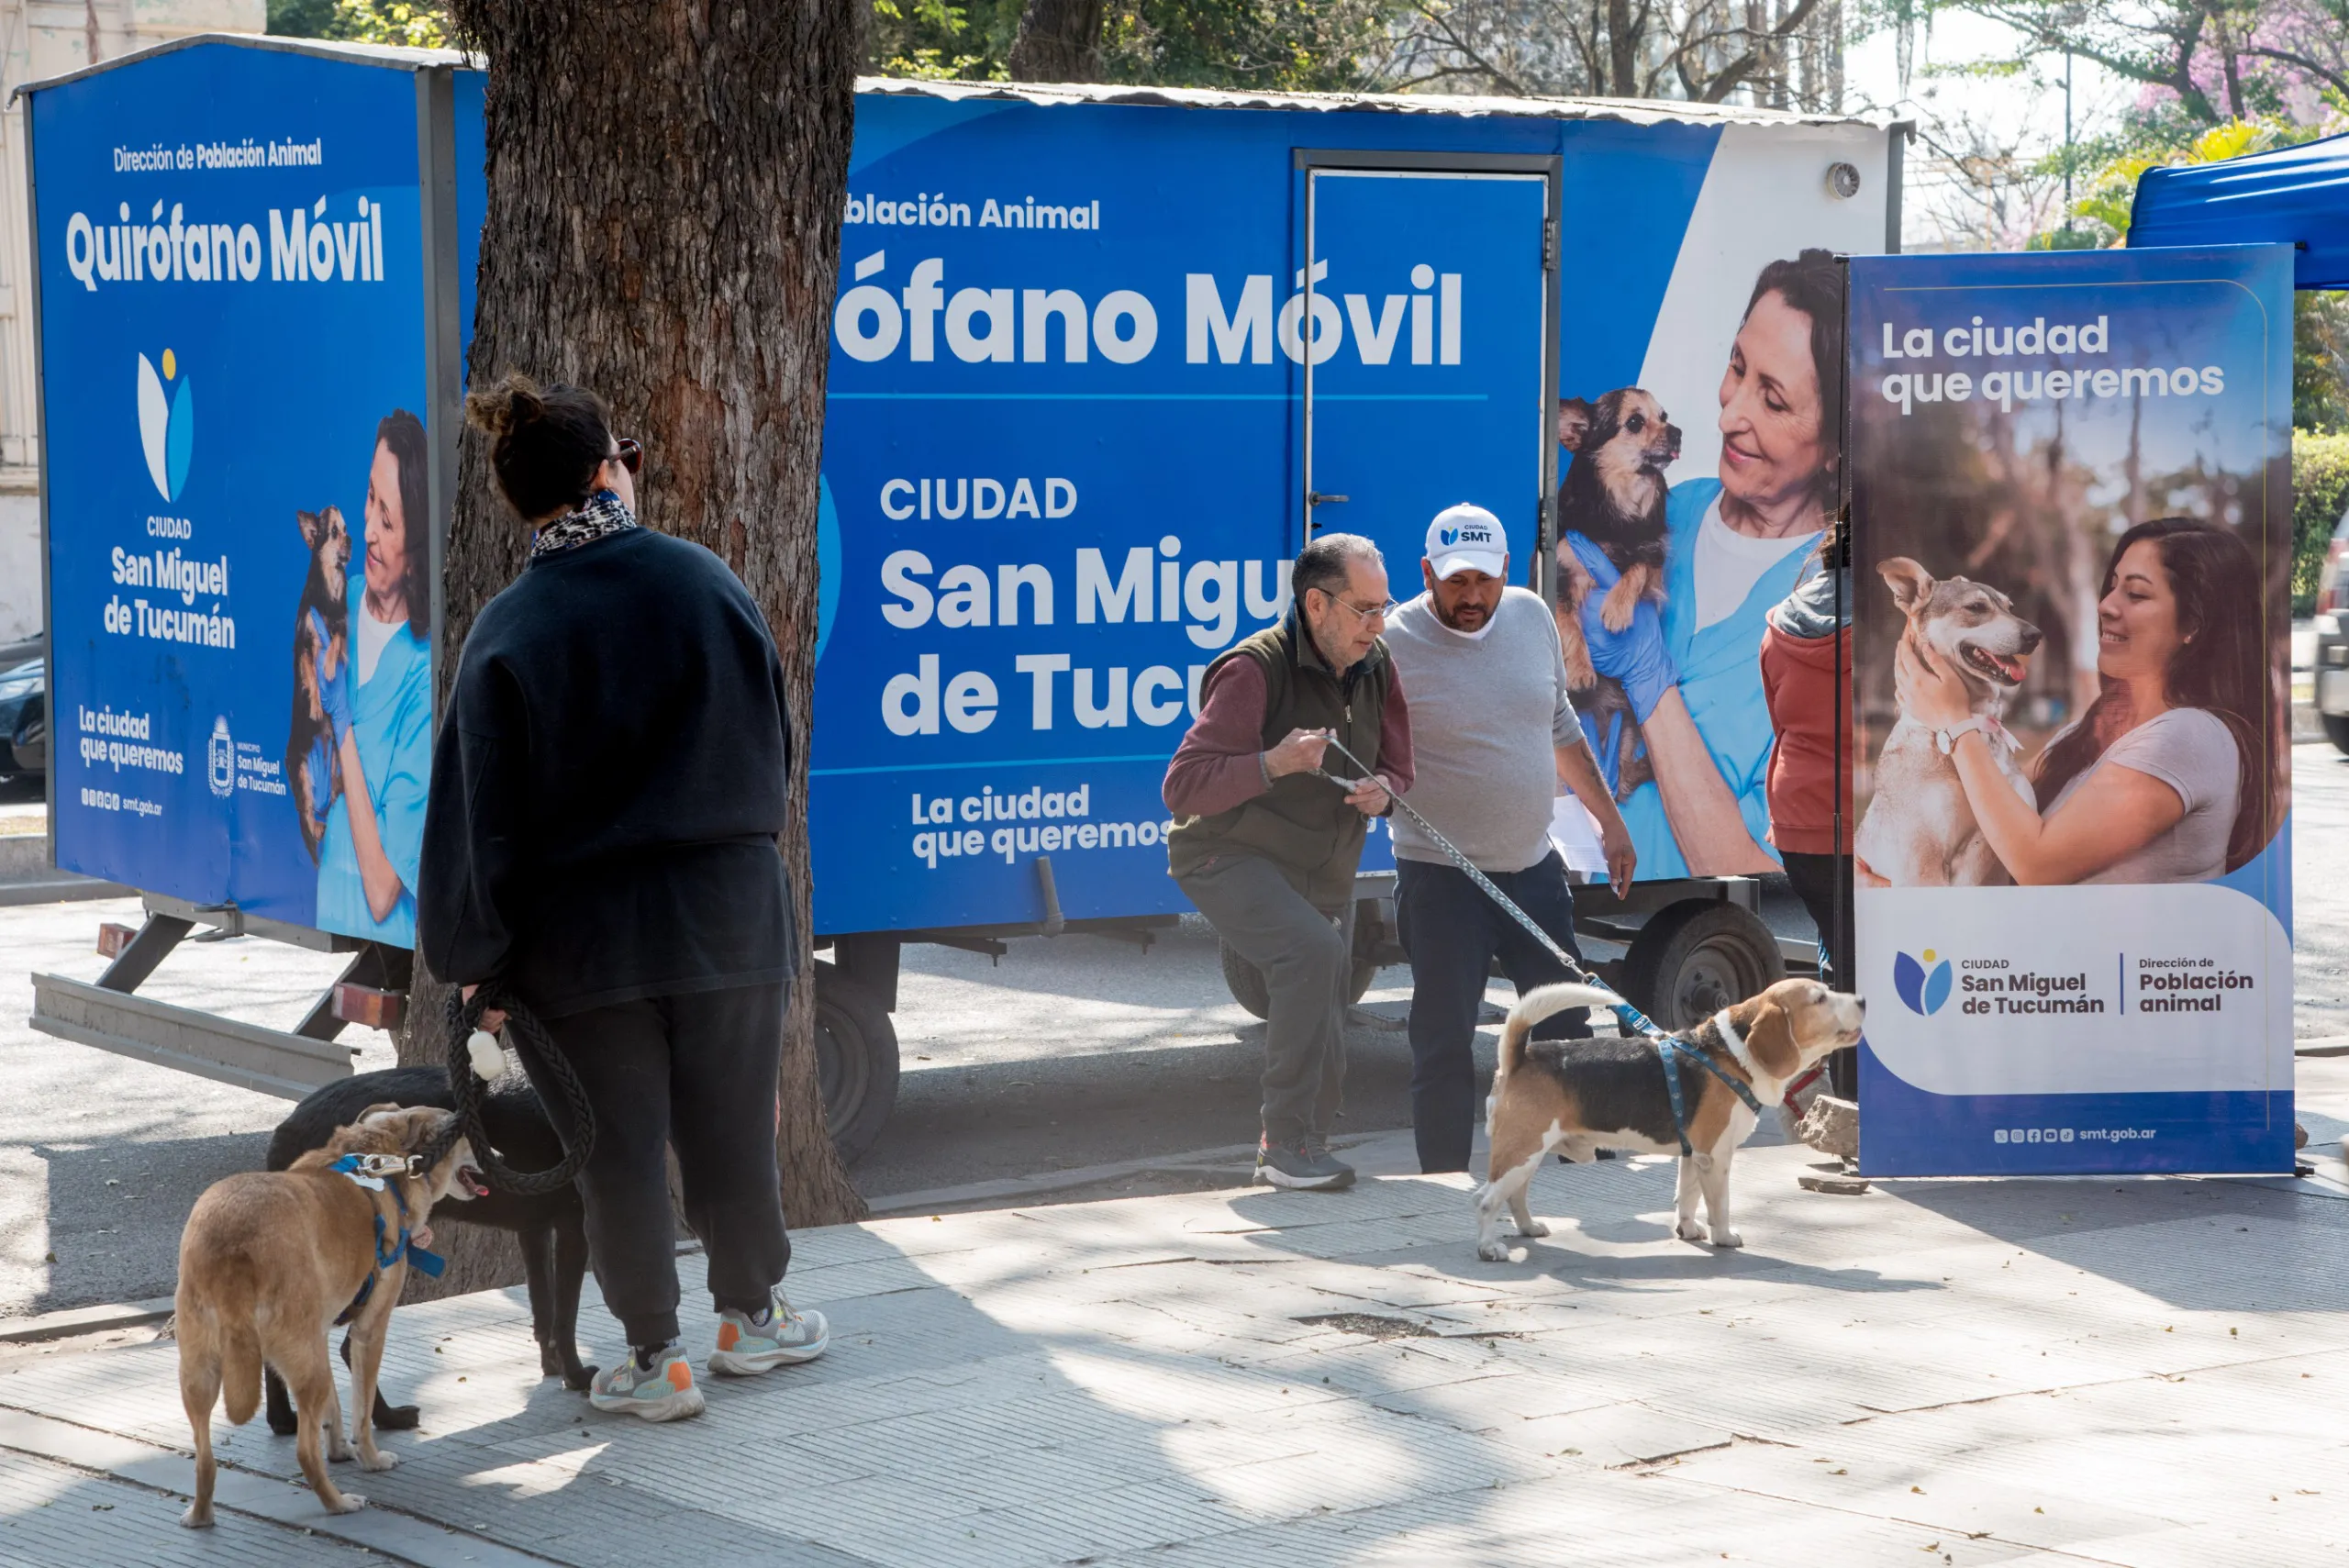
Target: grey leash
<point>1632,1017</point>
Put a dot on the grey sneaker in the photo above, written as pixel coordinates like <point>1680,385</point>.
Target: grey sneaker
<point>1307,1165</point>
<point>662,1391</point>
<point>777,1337</point>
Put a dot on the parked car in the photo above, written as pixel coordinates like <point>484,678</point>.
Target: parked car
<point>24,719</point>
<point>2332,637</point>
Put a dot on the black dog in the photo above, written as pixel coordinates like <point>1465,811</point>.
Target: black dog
<point>551,1226</point>
<point>1612,495</point>
<point>321,643</point>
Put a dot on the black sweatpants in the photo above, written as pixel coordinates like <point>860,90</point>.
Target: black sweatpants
<point>1813,878</point>
<point>1453,930</point>
<point>696,1070</point>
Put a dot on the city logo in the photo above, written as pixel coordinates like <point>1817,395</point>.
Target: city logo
<point>220,757</point>
<point>1923,986</point>
<point>166,427</point>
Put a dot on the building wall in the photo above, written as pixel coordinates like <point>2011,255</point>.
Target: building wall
<point>41,39</point>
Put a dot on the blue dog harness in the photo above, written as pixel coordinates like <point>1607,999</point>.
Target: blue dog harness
<point>1667,1049</point>
<point>370,1171</point>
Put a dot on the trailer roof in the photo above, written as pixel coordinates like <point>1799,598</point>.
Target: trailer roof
<point>1630,111</point>
<point>385,55</point>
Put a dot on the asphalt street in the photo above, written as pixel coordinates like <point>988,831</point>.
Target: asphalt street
<point>1068,1053</point>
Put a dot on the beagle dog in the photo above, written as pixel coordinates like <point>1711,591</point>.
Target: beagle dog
<point>1581,1095</point>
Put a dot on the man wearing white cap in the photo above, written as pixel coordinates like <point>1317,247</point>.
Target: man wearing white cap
<point>1492,737</point>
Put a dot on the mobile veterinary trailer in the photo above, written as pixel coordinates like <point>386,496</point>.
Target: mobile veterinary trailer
<point>1102,359</point>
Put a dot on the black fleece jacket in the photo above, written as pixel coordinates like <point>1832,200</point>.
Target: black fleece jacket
<point>607,789</point>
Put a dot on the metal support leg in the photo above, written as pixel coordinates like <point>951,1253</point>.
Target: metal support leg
<point>154,944</point>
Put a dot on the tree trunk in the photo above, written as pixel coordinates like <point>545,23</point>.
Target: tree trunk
<point>1622,52</point>
<point>1060,40</point>
<point>666,183</point>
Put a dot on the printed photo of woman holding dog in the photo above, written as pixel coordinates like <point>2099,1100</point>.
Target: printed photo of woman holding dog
<point>1691,770</point>
<point>2071,665</point>
<point>2162,778</point>
<point>381,706</point>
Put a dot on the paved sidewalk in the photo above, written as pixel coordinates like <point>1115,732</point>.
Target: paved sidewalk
<point>2140,1372</point>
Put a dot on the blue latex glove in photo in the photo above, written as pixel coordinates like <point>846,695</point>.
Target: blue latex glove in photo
<point>1634,658</point>
<point>334,691</point>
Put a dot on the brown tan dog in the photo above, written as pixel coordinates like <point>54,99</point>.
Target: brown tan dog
<point>1581,1095</point>
<point>1612,495</point>
<point>1919,830</point>
<point>267,1262</point>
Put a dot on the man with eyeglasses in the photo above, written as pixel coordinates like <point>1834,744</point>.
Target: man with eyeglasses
<point>1270,821</point>
<point>1496,736</point>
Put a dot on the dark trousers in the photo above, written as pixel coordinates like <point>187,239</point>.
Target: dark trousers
<point>1813,878</point>
<point>1306,957</point>
<point>1453,931</point>
<point>698,1071</point>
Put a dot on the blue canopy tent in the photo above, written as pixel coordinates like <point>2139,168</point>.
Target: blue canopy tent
<point>2294,194</point>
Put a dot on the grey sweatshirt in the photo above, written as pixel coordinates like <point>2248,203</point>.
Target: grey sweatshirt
<point>1487,714</point>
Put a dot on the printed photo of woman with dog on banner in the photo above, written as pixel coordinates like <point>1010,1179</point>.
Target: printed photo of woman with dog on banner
<point>2072,549</point>
<point>1662,584</point>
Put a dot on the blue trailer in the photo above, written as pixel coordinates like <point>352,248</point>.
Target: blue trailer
<point>1102,359</point>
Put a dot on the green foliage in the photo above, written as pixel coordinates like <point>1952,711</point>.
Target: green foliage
<point>935,40</point>
<point>302,18</point>
<point>1274,45</point>
<point>412,24</point>
<point>2100,218</point>
<point>1270,45</point>
<point>2320,494</point>
<point>2320,360</point>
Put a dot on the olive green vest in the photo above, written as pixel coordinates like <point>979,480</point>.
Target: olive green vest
<point>1302,823</point>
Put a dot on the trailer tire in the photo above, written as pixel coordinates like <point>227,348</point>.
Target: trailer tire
<point>2336,730</point>
<point>856,1062</point>
<point>1246,982</point>
<point>1695,957</point>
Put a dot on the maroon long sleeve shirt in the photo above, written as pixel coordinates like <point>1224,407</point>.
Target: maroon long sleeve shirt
<point>1219,764</point>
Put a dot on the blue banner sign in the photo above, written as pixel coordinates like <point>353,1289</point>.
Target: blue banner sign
<point>233,409</point>
<point>2072,505</point>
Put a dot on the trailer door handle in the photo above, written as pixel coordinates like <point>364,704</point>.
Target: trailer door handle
<point>1315,498</point>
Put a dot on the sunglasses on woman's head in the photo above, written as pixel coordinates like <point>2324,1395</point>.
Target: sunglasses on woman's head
<point>630,455</point>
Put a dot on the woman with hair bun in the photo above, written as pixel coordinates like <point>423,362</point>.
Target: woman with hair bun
<point>607,797</point>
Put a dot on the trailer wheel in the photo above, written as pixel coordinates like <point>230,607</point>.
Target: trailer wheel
<point>1693,959</point>
<point>1246,982</point>
<point>856,1062</point>
<point>2336,730</point>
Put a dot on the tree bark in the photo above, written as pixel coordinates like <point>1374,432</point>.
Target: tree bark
<point>665,185</point>
<point>1060,40</point>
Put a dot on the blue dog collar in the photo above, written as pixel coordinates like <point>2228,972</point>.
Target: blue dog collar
<point>371,1171</point>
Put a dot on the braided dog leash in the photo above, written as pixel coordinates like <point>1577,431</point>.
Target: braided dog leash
<point>1632,1017</point>
<point>464,1018</point>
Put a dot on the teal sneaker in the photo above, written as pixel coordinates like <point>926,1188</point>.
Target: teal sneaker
<point>777,1337</point>
<point>662,1391</point>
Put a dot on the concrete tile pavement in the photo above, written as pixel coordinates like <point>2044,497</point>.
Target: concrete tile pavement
<point>2136,1373</point>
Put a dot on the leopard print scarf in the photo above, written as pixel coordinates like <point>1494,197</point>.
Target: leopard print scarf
<point>600,517</point>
